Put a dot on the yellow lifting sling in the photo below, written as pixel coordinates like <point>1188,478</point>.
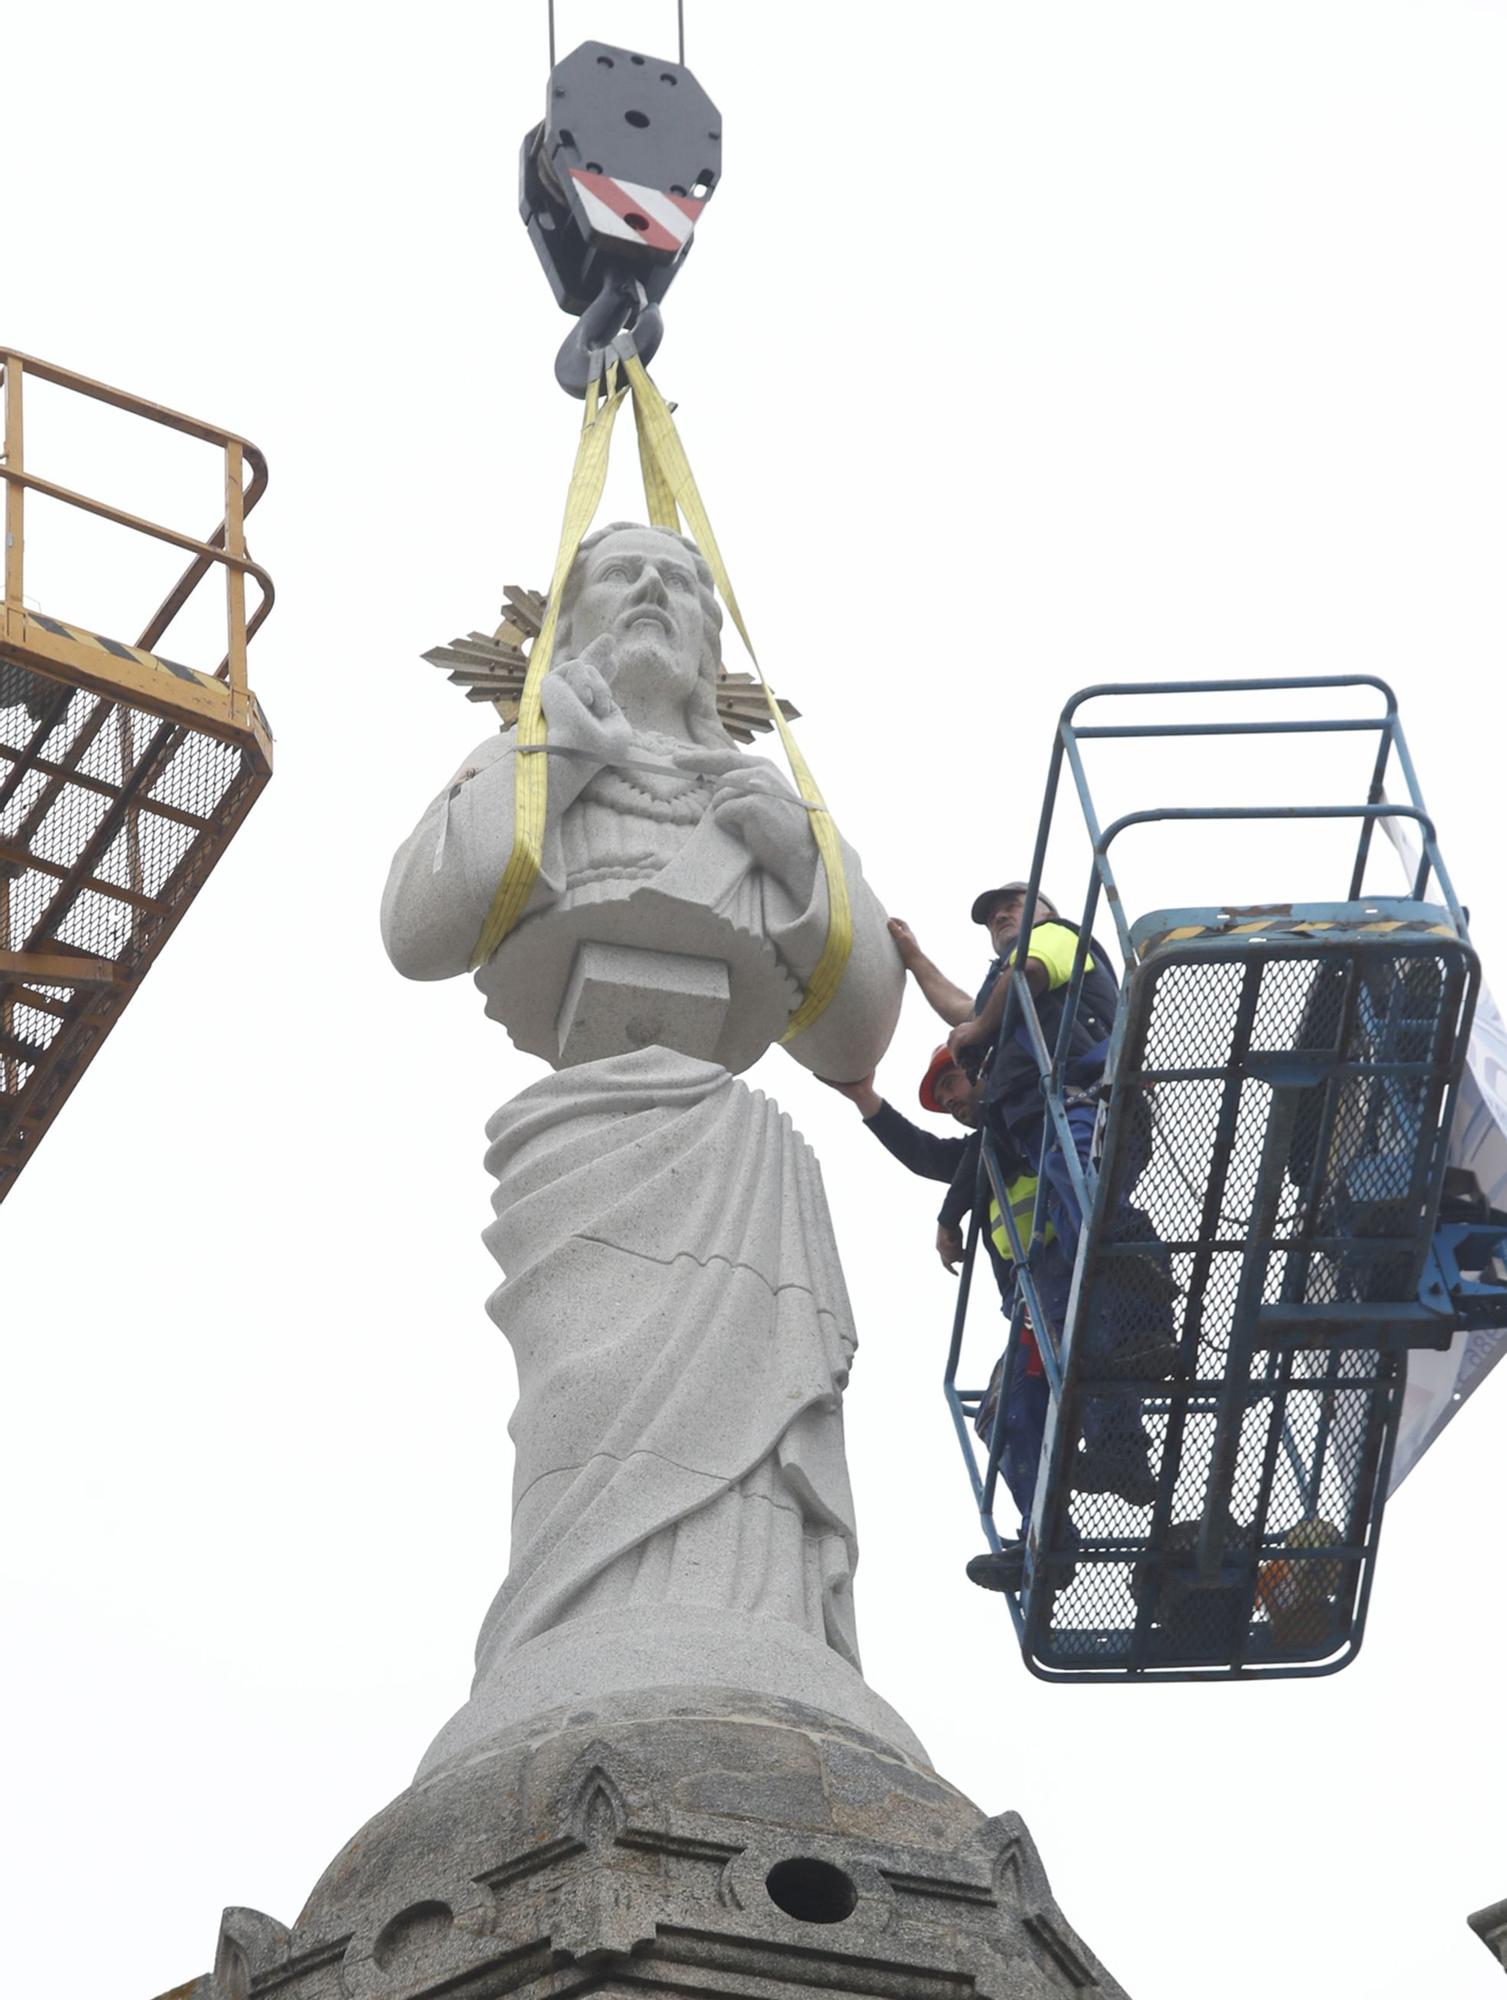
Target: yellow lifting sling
<point>670,492</point>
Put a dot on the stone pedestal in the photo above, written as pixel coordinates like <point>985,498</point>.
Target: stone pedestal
<point>672,1844</point>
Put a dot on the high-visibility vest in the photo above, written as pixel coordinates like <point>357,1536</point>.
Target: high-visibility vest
<point>1021,1195</point>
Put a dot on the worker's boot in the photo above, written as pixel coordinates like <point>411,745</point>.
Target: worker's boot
<point>1005,1568</point>
<point>999,1569</point>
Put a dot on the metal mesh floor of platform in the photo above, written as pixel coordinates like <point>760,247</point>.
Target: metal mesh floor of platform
<point>1270,1168</point>
<point>110,819</point>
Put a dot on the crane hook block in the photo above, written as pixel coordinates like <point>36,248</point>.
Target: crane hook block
<point>612,182</point>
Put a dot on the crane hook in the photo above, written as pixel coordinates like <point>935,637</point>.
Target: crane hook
<point>621,305</point>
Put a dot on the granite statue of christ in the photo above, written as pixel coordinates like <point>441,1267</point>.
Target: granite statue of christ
<point>672,1294</point>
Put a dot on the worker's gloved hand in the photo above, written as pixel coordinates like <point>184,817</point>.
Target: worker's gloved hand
<point>579,708</point>
<point>949,1245</point>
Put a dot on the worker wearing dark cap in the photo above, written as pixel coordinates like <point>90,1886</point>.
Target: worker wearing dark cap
<point>1136,1330</point>
<point>1014,1087</point>
<point>1012,1100</point>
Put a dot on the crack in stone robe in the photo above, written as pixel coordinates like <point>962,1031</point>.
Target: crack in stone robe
<point>674,1300</point>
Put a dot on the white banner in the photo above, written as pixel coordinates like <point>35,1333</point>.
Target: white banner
<point>1440,1382</point>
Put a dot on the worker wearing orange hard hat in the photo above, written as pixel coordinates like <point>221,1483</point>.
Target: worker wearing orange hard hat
<point>948,1091</point>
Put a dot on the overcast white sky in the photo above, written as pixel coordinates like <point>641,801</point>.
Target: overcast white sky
<point>1024,346</point>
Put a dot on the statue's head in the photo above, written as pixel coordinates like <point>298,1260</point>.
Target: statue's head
<point>651,592</point>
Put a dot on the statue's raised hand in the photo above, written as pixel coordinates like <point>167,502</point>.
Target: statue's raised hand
<point>579,707</point>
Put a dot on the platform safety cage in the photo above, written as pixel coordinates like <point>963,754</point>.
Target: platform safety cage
<point>1257,1220</point>
<point>123,772</point>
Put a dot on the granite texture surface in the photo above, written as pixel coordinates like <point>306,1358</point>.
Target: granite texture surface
<point>660,835</point>
<point>681,1508</point>
<point>685,1843</point>
<point>620,998</point>
<point>671,1777</point>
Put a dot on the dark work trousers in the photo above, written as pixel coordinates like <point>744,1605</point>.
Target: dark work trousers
<point>1106,1422</point>
<point>1062,1201</point>
<point>1027,1396</point>
<point>1025,1420</point>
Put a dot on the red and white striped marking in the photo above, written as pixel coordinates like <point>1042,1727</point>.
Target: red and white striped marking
<point>637,214</point>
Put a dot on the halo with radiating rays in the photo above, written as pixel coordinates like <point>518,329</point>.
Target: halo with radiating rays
<point>493,669</point>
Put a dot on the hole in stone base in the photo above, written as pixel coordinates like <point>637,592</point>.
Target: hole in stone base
<point>412,1931</point>
<point>813,1892</point>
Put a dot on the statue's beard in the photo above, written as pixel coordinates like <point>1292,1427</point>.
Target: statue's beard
<point>648,661</point>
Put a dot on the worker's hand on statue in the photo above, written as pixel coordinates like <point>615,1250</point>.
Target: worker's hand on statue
<point>949,1245</point>
<point>860,1091</point>
<point>905,941</point>
<point>579,708</point>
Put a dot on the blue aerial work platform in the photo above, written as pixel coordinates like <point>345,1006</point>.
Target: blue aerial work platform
<point>1261,1214</point>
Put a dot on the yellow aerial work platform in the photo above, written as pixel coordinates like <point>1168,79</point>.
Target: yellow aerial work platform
<point>123,774</point>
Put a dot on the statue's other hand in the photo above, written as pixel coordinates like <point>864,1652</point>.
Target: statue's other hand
<point>709,763</point>
<point>775,828</point>
<point>579,707</point>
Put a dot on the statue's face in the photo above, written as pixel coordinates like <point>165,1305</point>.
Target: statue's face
<point>640,587</point>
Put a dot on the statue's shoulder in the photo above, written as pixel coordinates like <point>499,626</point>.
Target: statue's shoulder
<point>491,750</point>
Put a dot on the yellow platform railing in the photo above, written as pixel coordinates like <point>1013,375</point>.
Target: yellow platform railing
<point>221,702</point>
<point>123,773</point>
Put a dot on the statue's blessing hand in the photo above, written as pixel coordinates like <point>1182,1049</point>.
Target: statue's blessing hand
<point>579,707</point>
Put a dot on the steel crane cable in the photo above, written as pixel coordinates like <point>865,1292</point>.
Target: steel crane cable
<point>679,29</point>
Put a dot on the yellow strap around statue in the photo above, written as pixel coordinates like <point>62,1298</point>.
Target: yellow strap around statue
<point>660,441</point>
<point>531,773</point>
<point>669,490</point>
<point>658,498</point>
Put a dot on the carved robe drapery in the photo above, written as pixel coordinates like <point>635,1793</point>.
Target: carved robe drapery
<point>682,1514</point>
<point>682,1333</point>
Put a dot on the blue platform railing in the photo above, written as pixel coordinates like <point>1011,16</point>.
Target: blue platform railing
<point>1021,1010</point>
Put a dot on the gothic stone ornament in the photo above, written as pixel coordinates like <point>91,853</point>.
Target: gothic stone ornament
<point>667,1846</point>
